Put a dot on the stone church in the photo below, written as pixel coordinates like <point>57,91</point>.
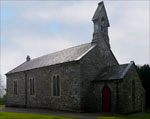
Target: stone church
<point>83,78</point>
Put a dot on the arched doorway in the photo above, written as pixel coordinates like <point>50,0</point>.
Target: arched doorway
<point>106,99</point>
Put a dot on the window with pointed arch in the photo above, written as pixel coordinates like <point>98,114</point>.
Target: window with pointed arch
<point>15,84</point>
<point>102,23</point>
<point>133,90</point>
<point>32,86</point>
<point>56,86</point>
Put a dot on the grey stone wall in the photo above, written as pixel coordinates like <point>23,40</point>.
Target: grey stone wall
<point>69,74</point>
<point>16,100</point>
<point>126,104</point>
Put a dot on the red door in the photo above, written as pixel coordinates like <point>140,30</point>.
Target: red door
<point>106,99</point>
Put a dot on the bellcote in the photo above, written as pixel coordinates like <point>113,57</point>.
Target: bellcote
<point>100,15</point>
<point>101,24</point>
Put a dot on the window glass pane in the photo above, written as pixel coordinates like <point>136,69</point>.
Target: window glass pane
<point>33,86</point>
<point>30,86</point>
<point>16,87</point>
<point>54,86</point>
<point>58,86</point>
<point>133,90</point>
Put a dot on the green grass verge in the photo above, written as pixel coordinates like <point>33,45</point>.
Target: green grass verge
<point>110,118</point>
<point>2,106</point>
<point>144,116</point>
<point>11,115</point>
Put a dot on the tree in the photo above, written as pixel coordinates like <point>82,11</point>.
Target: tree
<point>2,91</point>
<point>2,88</point>
<point>3,99</point>
<point>144,72</point>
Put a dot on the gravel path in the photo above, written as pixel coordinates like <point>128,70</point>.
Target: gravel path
<point>50,112</point>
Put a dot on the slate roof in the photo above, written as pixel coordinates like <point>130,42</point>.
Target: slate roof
<point>114,72</point>
<point>67,55</point>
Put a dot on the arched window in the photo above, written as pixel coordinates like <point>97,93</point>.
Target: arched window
<point>102,23</point>
<point>15,83</point>
<point>133,90</point>
<point>96,26</point>
<point>56,86</point>
<point>32,86</point>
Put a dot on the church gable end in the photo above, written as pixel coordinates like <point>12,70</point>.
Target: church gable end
<point>131,92</point>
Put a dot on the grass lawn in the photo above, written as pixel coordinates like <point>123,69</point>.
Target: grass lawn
<point>109,118</point>
<point>2,106</point>
<point>12,115</point>
<point>144,116</point>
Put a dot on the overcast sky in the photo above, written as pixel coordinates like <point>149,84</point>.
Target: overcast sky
<point>41,27</point>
